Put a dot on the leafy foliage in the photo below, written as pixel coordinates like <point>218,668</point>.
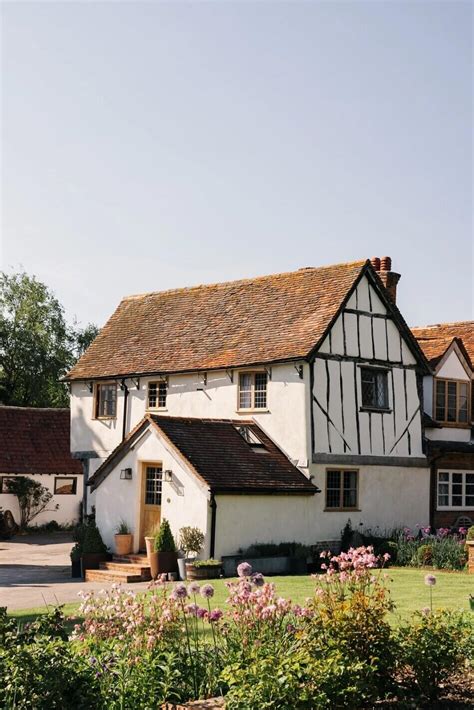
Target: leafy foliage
<point>92,541</point>
<point>164,540</point>
<point>191,539</point>
<point>33,498</point>
<point>37,347</point>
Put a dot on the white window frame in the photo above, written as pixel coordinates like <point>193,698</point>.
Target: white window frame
<point>252,407</point>
<point>450,473</point>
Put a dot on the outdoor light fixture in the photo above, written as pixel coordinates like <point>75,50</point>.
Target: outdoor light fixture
<point>126,474</point>
<point>168,476</point>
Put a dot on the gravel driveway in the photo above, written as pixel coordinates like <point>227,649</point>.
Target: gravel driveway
<point>35,571</point>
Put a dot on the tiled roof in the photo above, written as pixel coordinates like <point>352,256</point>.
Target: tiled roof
<point>36,441</point>
<point>260,320</point>
<point>435,339</point>
<point>220,456</point>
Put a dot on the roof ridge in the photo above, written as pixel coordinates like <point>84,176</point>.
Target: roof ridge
<point>439,325</point>
<point>34,409</point>
<point>221,284</point>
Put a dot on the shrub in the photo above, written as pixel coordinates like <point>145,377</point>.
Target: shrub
<point>470,533</point>
<point>33,498</point>
<point>282,549</point>
<point>92,540</point>
<point>123,528</point>
<point>433,645</point>
<point>191,540</point>
<point>207,563</point>
<point>164,540</point>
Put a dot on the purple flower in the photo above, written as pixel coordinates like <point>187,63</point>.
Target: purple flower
<point>207,591</point>
<point>179,592</point>
<point>258,579</point>
<point>194,588</point>
<point>244,569</point>
<point>192,609</point>
<point>215,615</point>
<point>201,613</point>
<point>425,611</point>
<point>430,580</point>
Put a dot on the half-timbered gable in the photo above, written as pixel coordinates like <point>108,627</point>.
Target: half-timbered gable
<point>366,374</point>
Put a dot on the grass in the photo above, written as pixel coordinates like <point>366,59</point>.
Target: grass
<point>407,586</point>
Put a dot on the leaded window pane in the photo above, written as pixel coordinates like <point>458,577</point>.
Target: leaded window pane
<point>374,388</point>
<point>463,402</point>
<point>452,399</point>
<point>153,485</point>
<point>152,395</point>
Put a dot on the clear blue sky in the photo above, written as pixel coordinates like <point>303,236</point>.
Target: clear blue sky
<point>155,145</point>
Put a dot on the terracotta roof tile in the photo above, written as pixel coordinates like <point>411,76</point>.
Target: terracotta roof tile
<point>435,339</point>
<point>36,441</point>
<point>259,320</point>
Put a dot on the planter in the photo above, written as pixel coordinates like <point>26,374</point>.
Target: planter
<point>92,560</point>
<point>182,562</point>
<point>123,544</point>
<point>76,568</point>
<point>266,565</point>
<point>470,555</point>
<point>162,563</point>
<point>204,572</point>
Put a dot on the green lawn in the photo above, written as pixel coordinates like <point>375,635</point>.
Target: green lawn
<point>407,586</point>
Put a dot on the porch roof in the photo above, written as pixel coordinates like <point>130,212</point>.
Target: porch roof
<point>220,456</point>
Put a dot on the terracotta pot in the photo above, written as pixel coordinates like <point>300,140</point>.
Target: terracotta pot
<point>209,572</point>
<point>123,544</point>
<point>150,546</point>
<point>162,563</point>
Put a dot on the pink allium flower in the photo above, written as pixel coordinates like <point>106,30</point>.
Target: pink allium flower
<point>179,592</point>
<point>244,569</point>
<point>258,579</point>
<point>207,591</point>
<point>201,613</point>
<point>426,610</point>
<point>194,588</point>
<point>215,615</point>
<point>430,580</point>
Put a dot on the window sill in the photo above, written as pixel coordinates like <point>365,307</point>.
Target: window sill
<point>341,510</point>
<point>157,409</point>
<point>455,509</point>
<point>453,425</point>
<point>376,410</point>
<point>252,411</point>
<point>102,419</point>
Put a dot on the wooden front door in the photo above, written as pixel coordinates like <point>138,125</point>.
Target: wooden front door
<point>150,515</point>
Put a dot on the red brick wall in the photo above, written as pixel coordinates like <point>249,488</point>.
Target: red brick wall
<point>450,462</point>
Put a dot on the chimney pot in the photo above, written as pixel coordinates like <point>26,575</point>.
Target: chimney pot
<point>385,263</point>
<point>375,261</point>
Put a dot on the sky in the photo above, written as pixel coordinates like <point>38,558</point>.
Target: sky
<point>154,145</point>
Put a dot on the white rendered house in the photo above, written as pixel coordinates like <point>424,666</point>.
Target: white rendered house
<point>267,409</point>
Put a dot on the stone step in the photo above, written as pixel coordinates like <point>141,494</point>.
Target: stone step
<point>129,568</point>
<point>133,559</point>
<point>107,575</point>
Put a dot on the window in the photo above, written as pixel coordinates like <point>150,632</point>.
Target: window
<point>451,401</point>
<point>251,438</point>
<point>153,485</point>
<point>455,489</point>
<point>65,486</point>
<point>253,390</point>
<point>341,490</point>
<point>374,388</point>
<point>157,393</point>
<point>4,480</point>
<point>106,401</point>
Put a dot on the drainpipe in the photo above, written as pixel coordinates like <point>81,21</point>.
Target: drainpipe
<point>213,525</point>
<point>124,387</point>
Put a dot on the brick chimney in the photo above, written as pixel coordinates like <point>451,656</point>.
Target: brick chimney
<point>390,279</point>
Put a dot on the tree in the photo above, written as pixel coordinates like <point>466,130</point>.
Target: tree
<point>37,347</point>
<point>33,498</point>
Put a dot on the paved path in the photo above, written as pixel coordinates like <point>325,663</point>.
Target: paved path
<point>35,571</point>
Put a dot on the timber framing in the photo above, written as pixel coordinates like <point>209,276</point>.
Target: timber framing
<point>365,460</point>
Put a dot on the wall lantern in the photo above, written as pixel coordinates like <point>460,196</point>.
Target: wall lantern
<point>168,476</point>
<point>126,474</point>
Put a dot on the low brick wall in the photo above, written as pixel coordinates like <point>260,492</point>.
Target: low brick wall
<point>470,559</point>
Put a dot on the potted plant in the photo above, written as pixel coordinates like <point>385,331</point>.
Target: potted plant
<point>203,569</point>
<point>164,558</point>
<point>123,539</point>
<point>75,556</point>
<point>94,550</point>
<point>191,541</point>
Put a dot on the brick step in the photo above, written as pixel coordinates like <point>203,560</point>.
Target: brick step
<point>107,575</point>
<point>133,558</point>
<point>129,568</point>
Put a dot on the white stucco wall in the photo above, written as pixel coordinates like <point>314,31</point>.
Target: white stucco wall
<point>117,499</point>
<point>68,510</point>
<point>452,369</point>
<point>285,420</point>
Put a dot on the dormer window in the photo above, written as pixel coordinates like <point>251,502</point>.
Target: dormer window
<point>252,390</point>
<point>157,394</point>
<point>451,401</point>
<point>251,438</point>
